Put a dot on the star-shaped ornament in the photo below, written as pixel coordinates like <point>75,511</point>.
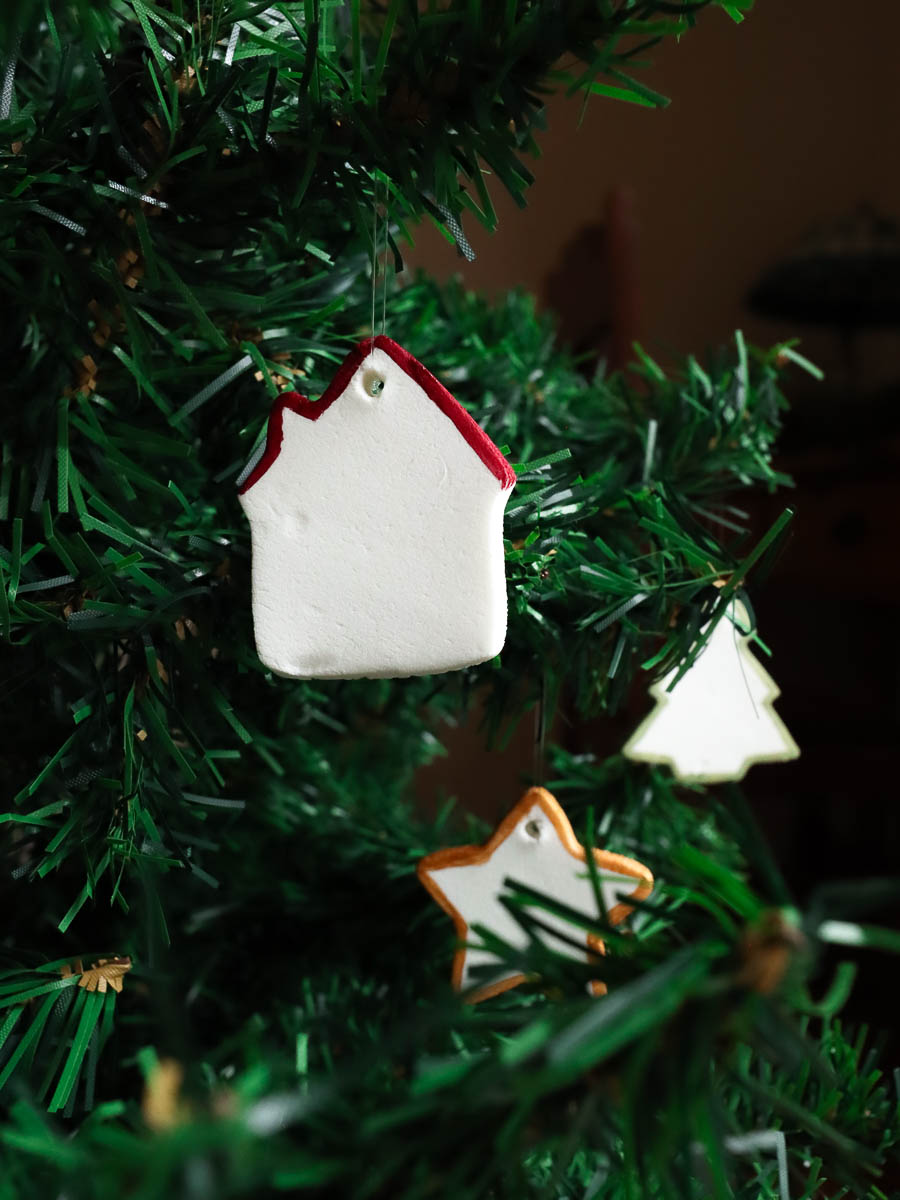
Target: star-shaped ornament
<point>534,845</point>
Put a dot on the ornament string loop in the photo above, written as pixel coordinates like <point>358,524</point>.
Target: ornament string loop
<point>374,245</point>
<point>376,237</point>
<point>540,732</point>
<point>384,277</point>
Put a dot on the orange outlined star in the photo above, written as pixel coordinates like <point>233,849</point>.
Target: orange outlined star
<point>534,844</point>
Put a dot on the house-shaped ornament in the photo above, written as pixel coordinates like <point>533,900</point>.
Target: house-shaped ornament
<point>376,519</point>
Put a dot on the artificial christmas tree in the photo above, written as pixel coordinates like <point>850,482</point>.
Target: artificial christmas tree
<point>219,975</point>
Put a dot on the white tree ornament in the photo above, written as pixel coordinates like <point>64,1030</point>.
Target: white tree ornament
<point>376,519</point>
<point>719,718</point>
<point>534,845</point>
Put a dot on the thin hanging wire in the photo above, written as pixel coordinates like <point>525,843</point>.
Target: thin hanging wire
<point>387,230</point>
<point>738,645</point>
<point>374,245</point>
<point>540,733</point>
<point>376,185</point>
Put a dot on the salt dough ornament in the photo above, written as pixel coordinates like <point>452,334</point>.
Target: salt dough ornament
<point>718,719</point>
<point>376,519</point>
<point>534,845</point>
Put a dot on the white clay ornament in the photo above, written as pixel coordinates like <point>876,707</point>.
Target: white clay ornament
<point>376,519</point>
<point>534,845</point>
<point>719,718</point>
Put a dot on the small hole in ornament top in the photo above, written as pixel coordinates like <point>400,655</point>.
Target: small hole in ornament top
<point>373,383</point>
<point>533,829</point>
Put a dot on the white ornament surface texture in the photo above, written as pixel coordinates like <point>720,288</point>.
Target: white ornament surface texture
<point>377,538</point>
<point>531,852</point>
<point>719,718</point>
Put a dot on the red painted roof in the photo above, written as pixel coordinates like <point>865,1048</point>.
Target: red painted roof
<point>436,392</point>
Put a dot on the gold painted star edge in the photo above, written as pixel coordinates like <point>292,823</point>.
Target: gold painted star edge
<point>467,856</point>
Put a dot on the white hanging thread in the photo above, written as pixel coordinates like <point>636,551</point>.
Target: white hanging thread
<point>540,732</point>
<point>375,243</point>
<point>384,264</point>
<point>736,633</point>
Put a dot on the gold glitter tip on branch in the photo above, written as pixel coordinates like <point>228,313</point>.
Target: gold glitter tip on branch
<point>105,973</point>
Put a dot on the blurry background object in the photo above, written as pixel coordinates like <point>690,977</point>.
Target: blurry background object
<point>693,222</point>
<point>593,289</point>
<point>846,277</point>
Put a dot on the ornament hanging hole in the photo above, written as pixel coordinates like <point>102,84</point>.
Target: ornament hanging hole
<point>373,384</point>
<point>533,828</point>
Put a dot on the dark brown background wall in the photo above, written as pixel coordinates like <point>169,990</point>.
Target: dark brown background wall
<point>776,125</point>
<point>779,126</point>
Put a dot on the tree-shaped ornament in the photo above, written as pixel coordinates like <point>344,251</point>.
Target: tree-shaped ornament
<point>534,845</point>
<point>719,718</point>
<point>376,519</point>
